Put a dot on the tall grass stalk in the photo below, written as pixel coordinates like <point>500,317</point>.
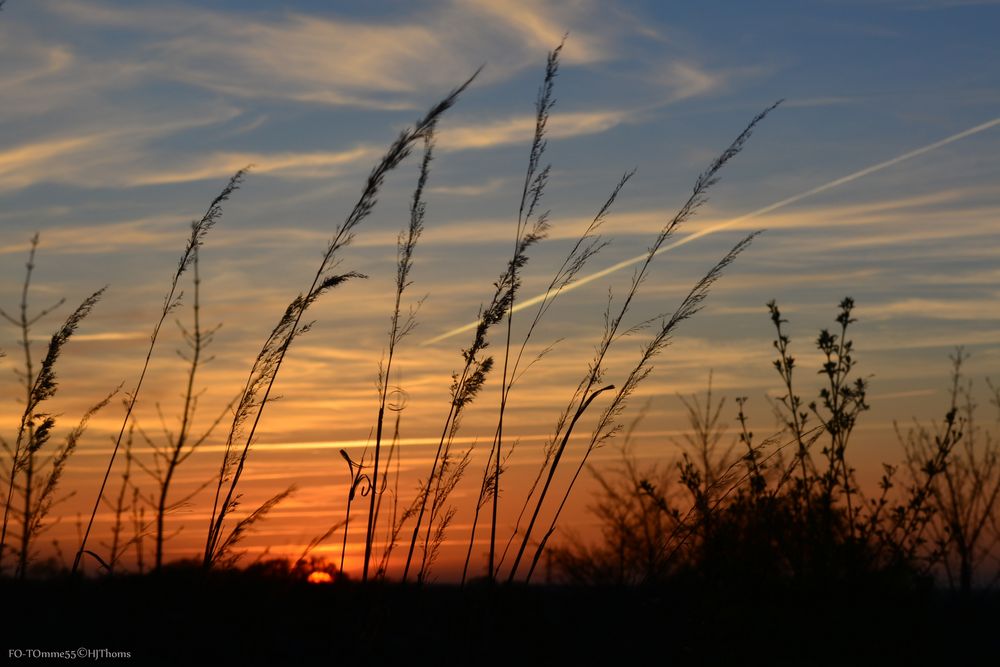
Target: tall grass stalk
<point>396,518</point>
<point>467,383</point>
<point>398,329</point>
<point>609,425</point>
<point>464,387</point>
<point>50,475</point>
<point>535,179</point>
<point>24,322</point>
<point>587,245</point>
<point>450,473</point>
<point>590,387</point>
<point>199,230</point>
<point>264,372</point>
<point>118,506</point>
<point>35,428</point>
<point>489,478</point>
<point>359,480</point>
<point>223,553</point>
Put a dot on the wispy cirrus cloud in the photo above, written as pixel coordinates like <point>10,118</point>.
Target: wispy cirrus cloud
<point>520,128</point>
<point>489,186</point>
<point>106,237</point>
<point>114,158</point>
<point>316,164</point>
<point>326,164</point>
<point>25,164</point>
<point>940,309</point>
<point>280,57</point>
<point>344,61</point>
<point>98,154</point>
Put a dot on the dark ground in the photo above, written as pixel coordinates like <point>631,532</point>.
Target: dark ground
<point>187,618</point>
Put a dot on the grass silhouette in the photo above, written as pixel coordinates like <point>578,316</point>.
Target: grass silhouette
<point>731,525</point>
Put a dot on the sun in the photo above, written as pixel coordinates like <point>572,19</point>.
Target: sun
<point>320,577</point>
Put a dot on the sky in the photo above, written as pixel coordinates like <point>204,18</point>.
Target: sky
<point>876,178</point>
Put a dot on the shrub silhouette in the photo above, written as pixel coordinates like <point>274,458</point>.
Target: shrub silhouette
<point>763,517</point>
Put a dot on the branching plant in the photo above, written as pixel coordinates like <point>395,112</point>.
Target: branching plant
<point>961,462</point>
<point>177,447</point>
<point>821,531</point>
<point>199,230</point>
<point>119,506</point>
<point>35,428</point>
<point>23,321</point>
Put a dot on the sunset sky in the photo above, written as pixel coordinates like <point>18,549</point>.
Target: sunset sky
<point>120,121</point>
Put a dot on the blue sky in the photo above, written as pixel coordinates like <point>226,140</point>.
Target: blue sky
<point>121,120</point>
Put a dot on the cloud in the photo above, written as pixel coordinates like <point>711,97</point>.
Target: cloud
<point>534,23</point>
<point>108,237</point>
<point>111,336</point>
<point>114,157</point>
<point>115,136</point>
<point>519,130</point>
<point>470,190</point>
<point>340,61</point>
<point>807,102</point>
<point>45,74</point>
<point>325,164</point>
<point>98,154</point>
<point>978,310</point>
<point>322,164</point>
<point>28,163</point>
<point>686,80</point>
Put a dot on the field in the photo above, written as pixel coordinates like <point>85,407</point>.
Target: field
<point>243,618</point>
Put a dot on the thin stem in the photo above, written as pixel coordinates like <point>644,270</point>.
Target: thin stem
<point>290,324</point>
<point>187,415</point>
<point>198,232</point>
<point>397,331</point>
<point>552,471</point>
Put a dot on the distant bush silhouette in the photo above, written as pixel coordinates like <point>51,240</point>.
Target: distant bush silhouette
<point>962,496</point>
<point>751,515</point>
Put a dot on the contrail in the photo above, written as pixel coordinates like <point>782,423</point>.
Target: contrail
<point>747,216</point>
